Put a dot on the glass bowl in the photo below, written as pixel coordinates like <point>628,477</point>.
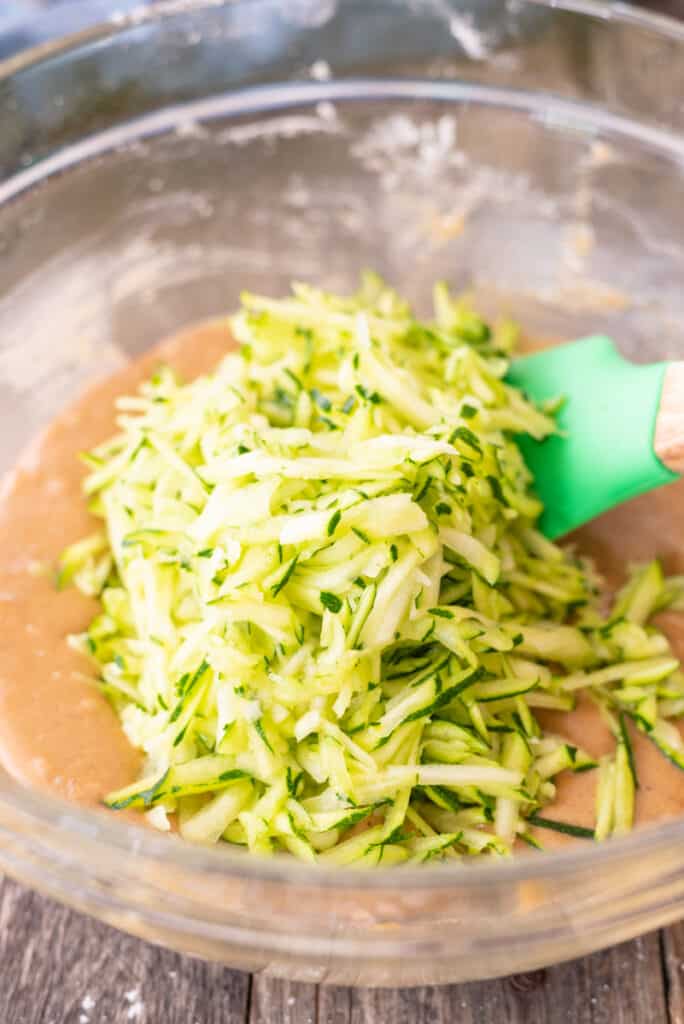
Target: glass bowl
<point>153,166</point>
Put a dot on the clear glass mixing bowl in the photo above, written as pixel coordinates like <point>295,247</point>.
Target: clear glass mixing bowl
<point>152,167</point>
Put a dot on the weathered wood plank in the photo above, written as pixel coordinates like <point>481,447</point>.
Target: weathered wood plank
<point>673,956</point>
<point>282,1002</point>
<point>623,985</point>
<point>58,967</point>
<point>334,1005</point>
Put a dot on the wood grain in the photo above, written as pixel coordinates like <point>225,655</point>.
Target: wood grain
<point>58,967</point>
<point>623,985</point>
<point>282,1002</point>
<point>334,1005</point>
<point>673,956</point>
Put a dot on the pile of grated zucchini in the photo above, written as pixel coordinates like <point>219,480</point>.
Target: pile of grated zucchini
<point>327,617</point>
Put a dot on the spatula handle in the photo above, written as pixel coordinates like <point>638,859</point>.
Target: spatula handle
<point>668,438</point>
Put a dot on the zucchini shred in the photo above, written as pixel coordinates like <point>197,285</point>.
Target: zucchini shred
<point>327,617</point>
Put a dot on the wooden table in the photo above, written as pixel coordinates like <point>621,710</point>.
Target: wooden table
<point>58,967</point>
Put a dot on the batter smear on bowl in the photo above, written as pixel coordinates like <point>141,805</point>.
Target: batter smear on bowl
<point>308,606</point>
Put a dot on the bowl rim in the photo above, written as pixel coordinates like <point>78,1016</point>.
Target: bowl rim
<point>63,820</point>
<point>157,10</point>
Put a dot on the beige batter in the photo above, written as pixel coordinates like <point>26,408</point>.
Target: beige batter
<point>58,733</point>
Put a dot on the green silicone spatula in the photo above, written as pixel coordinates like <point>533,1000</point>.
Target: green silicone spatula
<point>622,429</point>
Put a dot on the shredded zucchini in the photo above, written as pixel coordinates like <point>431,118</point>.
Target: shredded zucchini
<point>327,616</point>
